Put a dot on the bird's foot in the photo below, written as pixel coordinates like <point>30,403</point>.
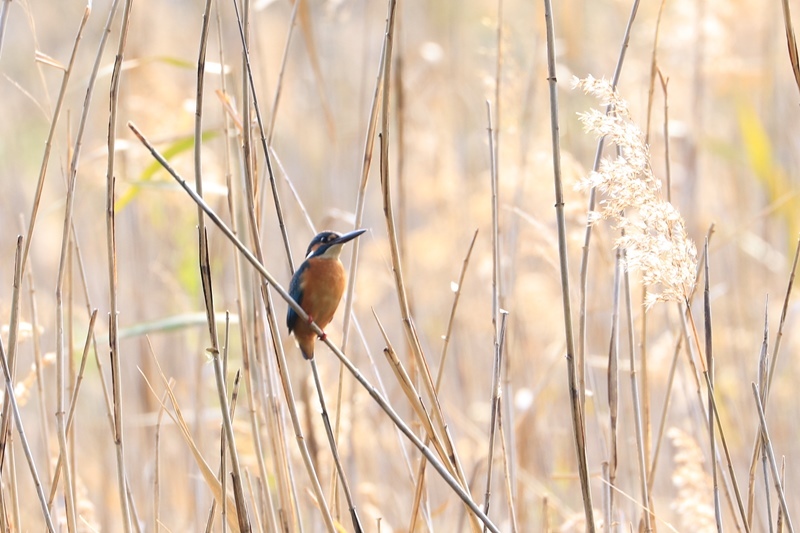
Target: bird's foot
<point>323,337</point>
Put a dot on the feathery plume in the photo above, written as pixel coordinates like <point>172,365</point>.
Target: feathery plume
<point>653,232</point>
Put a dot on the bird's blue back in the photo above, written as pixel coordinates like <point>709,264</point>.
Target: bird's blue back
<point>296,292</point>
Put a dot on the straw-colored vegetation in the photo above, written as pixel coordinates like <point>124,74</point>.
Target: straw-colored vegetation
<point>164,165</point>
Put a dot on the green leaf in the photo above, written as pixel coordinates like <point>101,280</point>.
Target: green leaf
<point>782,197</point>
<point>180,146</point>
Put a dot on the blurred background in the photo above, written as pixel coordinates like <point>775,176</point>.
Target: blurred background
<point>730,99</point>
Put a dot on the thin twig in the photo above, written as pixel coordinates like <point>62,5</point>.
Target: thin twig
<point>279,85</point>
<point>48,145</point>
<point>580,363</point>
<point>335,450</point>
<point>73,404</point>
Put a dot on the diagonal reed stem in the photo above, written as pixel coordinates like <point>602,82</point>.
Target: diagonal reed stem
<point>270,279</point>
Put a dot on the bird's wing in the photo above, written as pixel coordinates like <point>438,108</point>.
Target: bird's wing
<point>296,292</point>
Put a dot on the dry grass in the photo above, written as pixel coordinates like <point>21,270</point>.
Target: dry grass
<point>450,397</point>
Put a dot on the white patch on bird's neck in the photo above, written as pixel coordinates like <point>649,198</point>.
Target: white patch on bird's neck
<point>331,253</point>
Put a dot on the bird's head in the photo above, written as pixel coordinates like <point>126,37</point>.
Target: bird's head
<point>328,244</point>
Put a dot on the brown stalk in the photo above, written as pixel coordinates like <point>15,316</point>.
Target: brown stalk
<point>255,420</point>
<point>776,478</point>
<point>779,524</point>
<point>710,379</point>
<point>205,277</point>
<point>250,90</point>
<point>573,378</point>
<point>254,499</point>
<point>495,409</point>
<point>693,343</point>
<point>611,464</point>
<point>227,409</point>
<point>157,465</point>
<point>11,402</point>
<point>111,236</point>
<point>512,512</point>
<point>289,512</point>
<point>762,386</point>
<point>7,438</point>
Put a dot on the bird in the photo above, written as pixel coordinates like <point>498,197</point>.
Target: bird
<point>318,286</point>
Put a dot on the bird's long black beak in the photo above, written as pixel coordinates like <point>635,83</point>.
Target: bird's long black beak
<point>349,236</point>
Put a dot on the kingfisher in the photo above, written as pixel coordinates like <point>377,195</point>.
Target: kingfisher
<point>318,286</point>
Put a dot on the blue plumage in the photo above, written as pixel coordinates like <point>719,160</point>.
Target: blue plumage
<point>296,292</point>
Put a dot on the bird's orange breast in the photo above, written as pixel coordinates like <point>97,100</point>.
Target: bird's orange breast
<point>322,284</point>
